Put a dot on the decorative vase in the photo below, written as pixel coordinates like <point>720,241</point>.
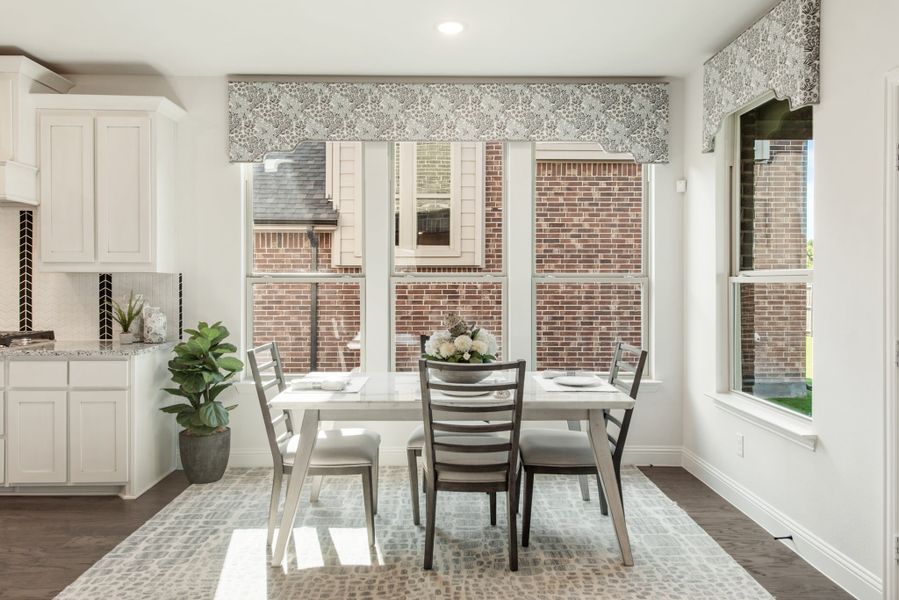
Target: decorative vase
<point>126,337</point>
<point>154,325</point>
<point>204,457</point>
<point>464,376</point>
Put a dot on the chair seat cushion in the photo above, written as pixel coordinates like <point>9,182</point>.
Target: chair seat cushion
<point>556,448</point>
<point>338,447</point>
<point>473,458</point>
<point>416,439</point>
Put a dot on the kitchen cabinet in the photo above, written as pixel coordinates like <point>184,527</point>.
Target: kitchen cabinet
<point>98,425</point>
<point>107,188</point>
<point>37,436</point>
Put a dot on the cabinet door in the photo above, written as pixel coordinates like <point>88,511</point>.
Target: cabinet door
<point>67,187</point>
<point>124,218</point>
<point>36,436</point>
<point>98,446</point>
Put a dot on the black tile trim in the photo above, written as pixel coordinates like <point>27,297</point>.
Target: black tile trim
<point>105,289</point>
<point>180,305</point>
<point>26,272</point>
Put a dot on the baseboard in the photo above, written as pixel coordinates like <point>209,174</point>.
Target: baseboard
<point>841,569</point>
<point>656,456</point>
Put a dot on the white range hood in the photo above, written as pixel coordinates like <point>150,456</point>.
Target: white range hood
<point>19,78</point>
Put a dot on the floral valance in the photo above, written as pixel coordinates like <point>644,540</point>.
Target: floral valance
<point>267,116</point>
<point>780,53</point>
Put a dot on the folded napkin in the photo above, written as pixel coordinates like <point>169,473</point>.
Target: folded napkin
<point>311,383</point>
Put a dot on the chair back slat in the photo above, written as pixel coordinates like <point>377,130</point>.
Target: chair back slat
<point>632,361</point>
<point>473,455</point>
<point>268,374</point>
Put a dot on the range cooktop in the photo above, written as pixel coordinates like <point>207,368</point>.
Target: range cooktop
<point>25,338</point>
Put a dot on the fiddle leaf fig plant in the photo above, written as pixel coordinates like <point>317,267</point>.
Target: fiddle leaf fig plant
<point>202,371</point>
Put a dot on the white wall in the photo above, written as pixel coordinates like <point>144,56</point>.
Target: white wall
<point>211,254</point>
<point>831,500</point>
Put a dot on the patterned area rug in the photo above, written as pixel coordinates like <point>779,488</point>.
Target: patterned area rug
<point>210,543</point>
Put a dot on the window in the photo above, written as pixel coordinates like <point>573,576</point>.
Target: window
<point>448,257</point>
<point>590,255</point>
<point>438,204</point>
<point>300,293</point>
<point>773,256</point>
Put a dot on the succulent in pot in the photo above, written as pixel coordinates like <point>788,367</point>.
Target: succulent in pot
<point>202,371</point>
<point>461,343</point>
<point>126,315</point>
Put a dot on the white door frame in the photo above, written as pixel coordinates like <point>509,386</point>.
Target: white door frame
<point>891,309</point>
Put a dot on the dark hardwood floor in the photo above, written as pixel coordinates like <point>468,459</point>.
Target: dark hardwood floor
<point>777,568</point>
<point>47,542</point>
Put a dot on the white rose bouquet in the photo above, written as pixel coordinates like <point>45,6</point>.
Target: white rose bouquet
<point>460,343</point>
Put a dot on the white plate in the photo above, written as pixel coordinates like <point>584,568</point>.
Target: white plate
<point>464,394</point>
<point>578,380</point>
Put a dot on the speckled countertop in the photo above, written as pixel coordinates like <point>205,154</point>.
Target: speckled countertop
<point>84,349</point>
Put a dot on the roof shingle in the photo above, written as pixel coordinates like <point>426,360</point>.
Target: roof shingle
<point>292,190</point>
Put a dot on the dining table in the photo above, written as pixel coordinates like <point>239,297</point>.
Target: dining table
<point>396,396</point>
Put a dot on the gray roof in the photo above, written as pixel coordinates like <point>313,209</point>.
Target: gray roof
<point>292,190</point>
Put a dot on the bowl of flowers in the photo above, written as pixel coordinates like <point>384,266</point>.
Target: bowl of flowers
<point>461,343</point>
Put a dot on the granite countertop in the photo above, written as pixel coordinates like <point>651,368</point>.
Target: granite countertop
<point>84,349</point>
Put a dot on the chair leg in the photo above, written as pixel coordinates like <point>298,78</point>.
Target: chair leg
<point>528,505</point>
<point>430,523</point>
<point>413,484</point>
<point>367,496</point>
<point>603,505</point>
<point>375,472</point>
<point>513,528</point>
<point>316,488</point>
<point>518,489</point>
<point>273,504</point>
<point>492,508</point>
<point>424,481</point>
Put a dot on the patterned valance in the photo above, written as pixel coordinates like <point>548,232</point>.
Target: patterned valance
<point>780,53</point>
<point>267,116</point>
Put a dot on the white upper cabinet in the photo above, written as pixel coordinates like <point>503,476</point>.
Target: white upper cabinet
<point>107,205</point>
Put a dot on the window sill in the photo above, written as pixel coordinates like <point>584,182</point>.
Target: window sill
<point>795,429</point>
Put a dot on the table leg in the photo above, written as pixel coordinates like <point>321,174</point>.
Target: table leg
<point>603,455</point>
<point>308,433</point>
<point>581,479</point>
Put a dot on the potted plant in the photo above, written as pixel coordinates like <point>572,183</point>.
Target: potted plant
<point>461,343</point>
<point>202,372</point>
<point>126,315</point>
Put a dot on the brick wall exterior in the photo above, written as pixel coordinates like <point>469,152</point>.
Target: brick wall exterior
<point>773,224</point>
<point>589,219</point>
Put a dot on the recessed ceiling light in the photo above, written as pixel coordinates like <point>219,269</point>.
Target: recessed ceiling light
<point>450,27</point>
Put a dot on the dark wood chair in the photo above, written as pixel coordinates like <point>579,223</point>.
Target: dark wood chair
<point>561,452</point>
<point>469,463</point>
<point>349,451</point>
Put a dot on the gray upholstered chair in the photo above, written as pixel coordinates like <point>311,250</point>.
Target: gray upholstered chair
<point>467,461</point>
<point>348,451</point>
<point>561,452</point>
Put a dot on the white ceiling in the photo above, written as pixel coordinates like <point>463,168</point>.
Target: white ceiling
<point>367,37</point>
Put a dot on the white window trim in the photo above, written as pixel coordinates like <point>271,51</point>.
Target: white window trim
<point>731,398</point>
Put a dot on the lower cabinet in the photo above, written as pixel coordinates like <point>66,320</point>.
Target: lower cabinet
<point>36,436</point>
<point>98,447</point>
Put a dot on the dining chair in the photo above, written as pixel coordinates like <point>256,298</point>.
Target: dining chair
<point>415,445</point>
<point>347,451</point>
<point>469,462</point>
<point>561,452</point>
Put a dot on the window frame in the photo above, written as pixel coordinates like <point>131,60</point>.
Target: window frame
<point>736,276</point>
<point>592,153</point>
<point>252,278</point>
<point>501,277</point>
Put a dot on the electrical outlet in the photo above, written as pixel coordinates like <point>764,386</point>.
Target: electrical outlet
<point>740,445</point>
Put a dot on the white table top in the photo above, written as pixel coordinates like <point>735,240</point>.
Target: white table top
<point>397,397</point>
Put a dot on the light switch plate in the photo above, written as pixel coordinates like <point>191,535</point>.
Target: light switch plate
<point>740,445</point>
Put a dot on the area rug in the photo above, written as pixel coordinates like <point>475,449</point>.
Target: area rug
<point>210,543</point>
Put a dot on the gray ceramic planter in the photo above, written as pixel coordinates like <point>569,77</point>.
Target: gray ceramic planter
<point>205,458</point>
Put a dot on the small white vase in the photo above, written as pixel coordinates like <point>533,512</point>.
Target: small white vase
<point>126,338</point>
<point>154,325</point>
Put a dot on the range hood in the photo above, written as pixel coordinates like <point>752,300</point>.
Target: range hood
<point>20,77</point>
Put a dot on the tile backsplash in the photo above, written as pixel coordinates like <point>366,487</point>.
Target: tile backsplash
<point>69,303</point>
